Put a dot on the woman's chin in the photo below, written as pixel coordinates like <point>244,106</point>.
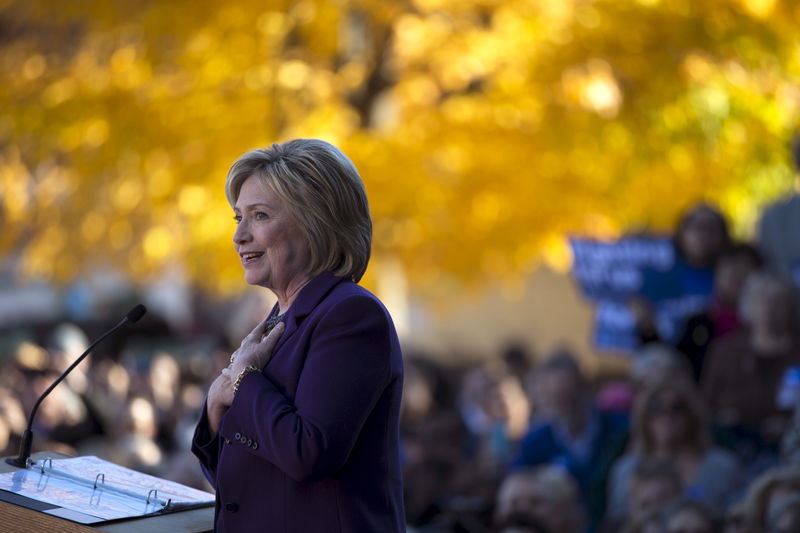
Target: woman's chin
<point>252,279</point>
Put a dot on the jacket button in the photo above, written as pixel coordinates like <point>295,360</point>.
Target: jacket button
<point>249,443</point>
<point>232,507</point>
<point>243,440</point>
<point>237,436</point>
<point>227,441</point>
<point>255,445</point>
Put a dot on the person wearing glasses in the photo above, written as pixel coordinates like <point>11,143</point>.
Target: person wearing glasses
<point>670,424</point>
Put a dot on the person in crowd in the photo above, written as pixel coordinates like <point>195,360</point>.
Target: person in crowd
<point>652,364</point>
<point>67,418</point>
<point>700,239</point>
<point>615,397</point>
<point>575,435</point>
<point>670,423</point>
<point>701,236</point>
<point>517,360</point>
<point>12,420</point>
<point>496,411</point>
<point>657,363</point>
<point>744,370</point>
<point>777,228</point>
<point>301,431</point>
<point>545,494</point>
<point>139,447</point>
<point>690,516</point>
<point>433,437</point>
<point>655,483</point>
<point>721,317</point>
<point>769,496</point>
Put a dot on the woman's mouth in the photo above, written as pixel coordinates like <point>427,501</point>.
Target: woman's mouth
<point>251,257</point>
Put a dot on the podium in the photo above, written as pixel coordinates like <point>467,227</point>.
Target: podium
<point>21,519</point>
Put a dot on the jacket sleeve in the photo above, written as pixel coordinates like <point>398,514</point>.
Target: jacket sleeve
<point>206,447</point>
<point>347,368</point>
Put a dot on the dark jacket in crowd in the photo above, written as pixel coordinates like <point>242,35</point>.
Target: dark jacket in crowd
<point>606,442</point>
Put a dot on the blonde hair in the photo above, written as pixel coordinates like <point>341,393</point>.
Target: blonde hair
<point>323,192</point>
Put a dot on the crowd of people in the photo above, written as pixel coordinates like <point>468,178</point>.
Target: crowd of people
<point>134,401</point>
<point>702,435</point>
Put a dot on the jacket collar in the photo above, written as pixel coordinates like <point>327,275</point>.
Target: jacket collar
<point>308,298</point>
<point>314,291</point>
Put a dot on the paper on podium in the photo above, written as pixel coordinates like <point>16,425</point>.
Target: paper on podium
<point>98,488</point>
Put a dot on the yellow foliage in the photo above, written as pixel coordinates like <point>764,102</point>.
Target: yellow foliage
<point>485,130</point>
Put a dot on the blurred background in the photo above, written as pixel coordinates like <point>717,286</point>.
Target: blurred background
<point>569,197</point>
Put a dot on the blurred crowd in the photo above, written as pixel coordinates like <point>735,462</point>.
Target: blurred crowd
<point>700,435</point>
<point>134,401</point>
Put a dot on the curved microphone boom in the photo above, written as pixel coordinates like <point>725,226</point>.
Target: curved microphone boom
<point>25,445</point>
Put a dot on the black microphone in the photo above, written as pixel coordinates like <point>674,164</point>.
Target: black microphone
<point>21,461</point>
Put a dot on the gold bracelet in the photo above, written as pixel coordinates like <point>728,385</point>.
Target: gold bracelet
<point>246,370</point>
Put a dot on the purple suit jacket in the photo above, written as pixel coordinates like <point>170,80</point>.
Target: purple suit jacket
<point>311,444</point>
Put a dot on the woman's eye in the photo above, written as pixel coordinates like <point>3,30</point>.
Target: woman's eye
<point>237,218</point>
<point>260,215</point>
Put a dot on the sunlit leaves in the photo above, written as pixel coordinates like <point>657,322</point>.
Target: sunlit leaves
<point>485,129</point>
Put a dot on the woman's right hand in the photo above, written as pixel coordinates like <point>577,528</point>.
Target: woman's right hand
<point>256,349</point>
<point>220,396</point>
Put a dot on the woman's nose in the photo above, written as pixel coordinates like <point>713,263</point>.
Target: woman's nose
<point>241,235</point>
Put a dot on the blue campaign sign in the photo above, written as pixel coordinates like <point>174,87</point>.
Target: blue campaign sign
<point>611,273</point>
<point>614,326</point>
<point>612,270</point>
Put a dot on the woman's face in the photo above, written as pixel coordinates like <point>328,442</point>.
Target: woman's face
<point>557,394</point>
<point>702,237</point>
<point>268,239</point>
<point>668,422</point>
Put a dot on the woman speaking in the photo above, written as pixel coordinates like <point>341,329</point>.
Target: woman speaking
<point>300,432</point>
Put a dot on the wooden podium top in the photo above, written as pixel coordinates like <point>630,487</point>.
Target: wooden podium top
<point>18,519</point>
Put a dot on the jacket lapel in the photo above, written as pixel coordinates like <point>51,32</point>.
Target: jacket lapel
<point>306,301</point>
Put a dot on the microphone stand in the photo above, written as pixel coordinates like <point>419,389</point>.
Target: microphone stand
<point>21,461</point>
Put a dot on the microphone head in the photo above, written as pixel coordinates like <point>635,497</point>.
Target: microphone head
<point>136,313</point>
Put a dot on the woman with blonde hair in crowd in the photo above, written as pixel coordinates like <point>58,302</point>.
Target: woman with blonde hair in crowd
<point>670,423</point>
